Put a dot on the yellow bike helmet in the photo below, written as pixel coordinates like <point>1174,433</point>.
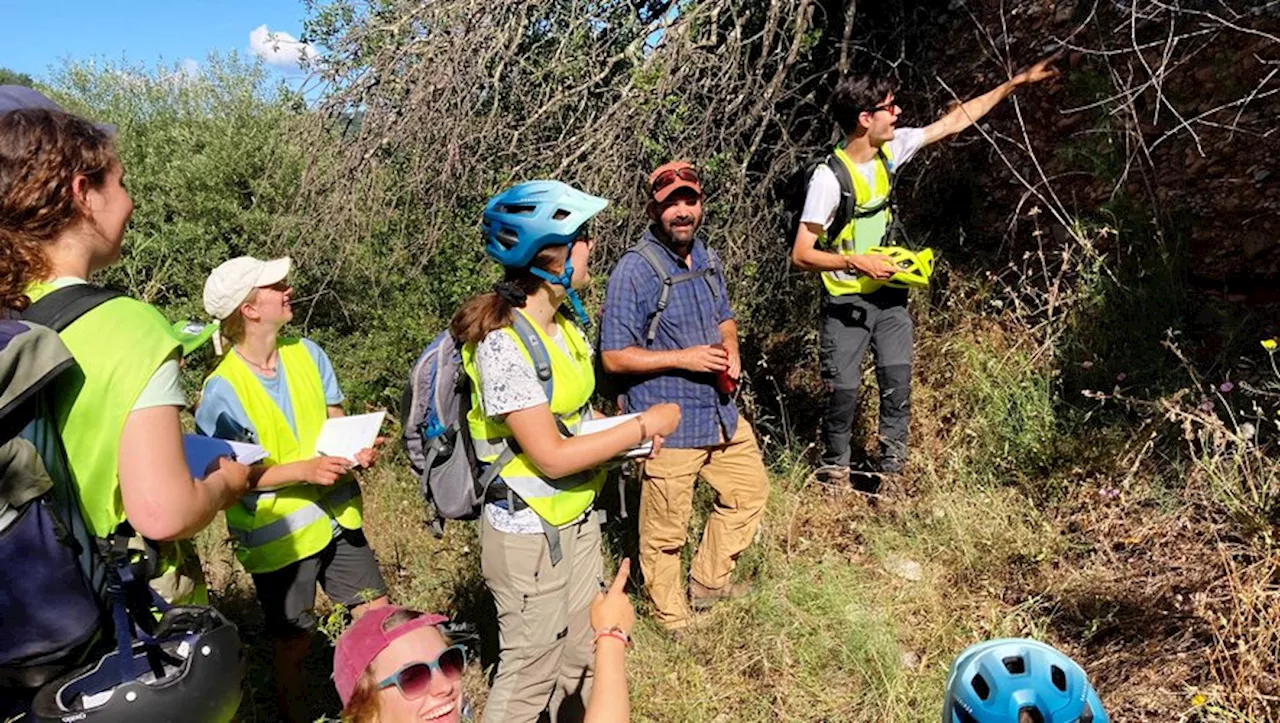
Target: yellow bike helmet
<point>915,267</point>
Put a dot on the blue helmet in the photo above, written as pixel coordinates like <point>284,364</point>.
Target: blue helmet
<point>530,216</point>
<point>994,681</point>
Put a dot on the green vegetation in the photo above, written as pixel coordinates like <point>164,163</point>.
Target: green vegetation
<point>1081,471</point>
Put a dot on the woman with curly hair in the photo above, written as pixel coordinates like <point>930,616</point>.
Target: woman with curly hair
<point>63,213</point>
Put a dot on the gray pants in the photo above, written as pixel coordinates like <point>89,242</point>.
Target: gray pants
<point>849,324</point>
<point>544,620</point>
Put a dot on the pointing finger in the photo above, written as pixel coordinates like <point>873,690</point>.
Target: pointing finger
<point>620,580</point>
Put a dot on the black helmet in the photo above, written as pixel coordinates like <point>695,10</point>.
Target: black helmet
<point>190,672</point>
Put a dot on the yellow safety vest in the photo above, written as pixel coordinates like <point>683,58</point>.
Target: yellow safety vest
<point>860,234</point>
<point>282,526</point>
<point>557,501</point>
<point>118,346</point>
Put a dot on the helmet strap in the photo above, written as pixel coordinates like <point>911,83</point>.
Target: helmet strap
<point>565,280</point>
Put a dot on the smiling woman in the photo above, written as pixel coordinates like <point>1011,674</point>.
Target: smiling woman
<point>393,664</point>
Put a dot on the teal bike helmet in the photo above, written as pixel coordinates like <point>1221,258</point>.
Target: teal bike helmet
<point>1017,679</point>
<point>530,216</point>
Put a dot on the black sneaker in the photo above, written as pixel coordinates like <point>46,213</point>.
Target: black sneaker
<point>868,482</point>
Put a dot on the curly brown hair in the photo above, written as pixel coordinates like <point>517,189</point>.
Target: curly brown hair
<point>41,151</point>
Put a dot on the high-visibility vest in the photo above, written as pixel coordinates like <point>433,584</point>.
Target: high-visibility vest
<point>282,526</point>
<point>860,234</point>
<point>118,346</point>
<point>557,501</point>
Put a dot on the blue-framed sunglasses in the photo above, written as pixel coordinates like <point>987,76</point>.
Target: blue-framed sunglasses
<point>414,679</point>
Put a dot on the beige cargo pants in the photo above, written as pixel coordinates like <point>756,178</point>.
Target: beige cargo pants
<point>735,470</point>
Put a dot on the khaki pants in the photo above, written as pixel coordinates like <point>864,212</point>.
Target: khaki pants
<point>544,622</point>
<point>736,472</point>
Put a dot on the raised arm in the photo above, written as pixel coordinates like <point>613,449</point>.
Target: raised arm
<point>972,110</point>
<point>612,618</point>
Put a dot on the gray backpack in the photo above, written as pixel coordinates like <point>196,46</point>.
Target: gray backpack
<point>435,434</point>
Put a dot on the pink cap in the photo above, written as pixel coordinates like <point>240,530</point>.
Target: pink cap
<point>362,642</point>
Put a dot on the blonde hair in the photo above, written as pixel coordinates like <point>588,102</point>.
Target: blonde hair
<point>232,327</point>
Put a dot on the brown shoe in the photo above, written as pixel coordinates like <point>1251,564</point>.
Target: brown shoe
<point>702,597</point>
<point>833,475</point>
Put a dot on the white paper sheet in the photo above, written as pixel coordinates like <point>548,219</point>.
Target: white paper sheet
<point>201,451</point>
<point>345,436</point>
<point>592,426</point>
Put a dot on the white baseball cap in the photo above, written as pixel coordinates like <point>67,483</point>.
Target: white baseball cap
<point>232,282</point>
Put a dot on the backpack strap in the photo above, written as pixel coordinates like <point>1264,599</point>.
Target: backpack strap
<point>537,352</point>
<point>650,255</point>
<point>848,199</point>
<point>60,308</point>
<point>654,258</point>
<point>889,200</point>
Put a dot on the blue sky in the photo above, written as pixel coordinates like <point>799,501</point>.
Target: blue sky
<point>40,33</point>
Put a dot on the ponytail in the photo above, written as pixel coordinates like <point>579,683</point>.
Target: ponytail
<point>491,311</point>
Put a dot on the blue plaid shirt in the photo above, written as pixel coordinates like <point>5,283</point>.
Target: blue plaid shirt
<point>692,318</point>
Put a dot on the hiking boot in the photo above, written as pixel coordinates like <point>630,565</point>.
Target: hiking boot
<point>891,465</point>
<point>702,597</point>
<point>833,475</point>
<point>681,635</point>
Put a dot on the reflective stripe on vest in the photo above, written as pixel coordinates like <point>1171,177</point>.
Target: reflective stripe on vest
<point>281,527</point>
<point>560,501</point>
<point>860,234</point>
<point>295,521</point>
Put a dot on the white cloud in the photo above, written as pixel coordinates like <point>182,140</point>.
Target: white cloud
<point>189,67</point>
<point>278,48</point>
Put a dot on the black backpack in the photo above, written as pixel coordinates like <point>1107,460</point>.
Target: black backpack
<point>52,582</point>
<point>792,190</point>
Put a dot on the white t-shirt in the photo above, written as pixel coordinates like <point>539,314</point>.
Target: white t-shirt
<point>823,197</point>
<point>509,383</point>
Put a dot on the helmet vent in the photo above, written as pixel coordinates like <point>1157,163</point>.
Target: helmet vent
<point>980,687</point>
<point>1015,665</point>
<point>516,208</point>
<point>1086,715</point>
<point>1030,715</point>
<point>507,237</point>
<point>1058,677</point>
<point>560,214</point>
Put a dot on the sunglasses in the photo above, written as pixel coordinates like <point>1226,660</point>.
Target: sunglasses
<point>414,679</point>
<point>666,178</point>
<point>886,107</point>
